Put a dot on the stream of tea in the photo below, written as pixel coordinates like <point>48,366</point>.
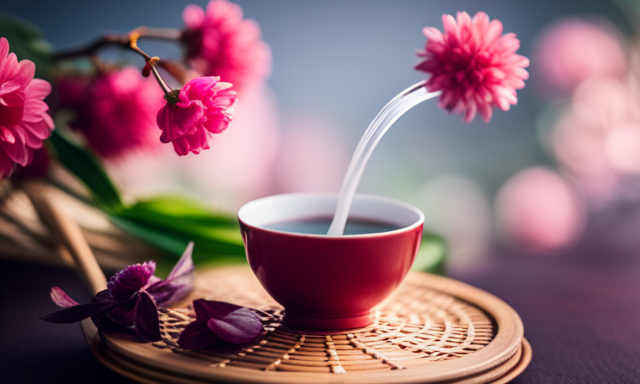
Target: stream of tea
<point>400,104</point>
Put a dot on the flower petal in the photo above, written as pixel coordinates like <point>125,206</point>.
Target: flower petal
<point>206,309</point>
<point>78,312</point>
<point>146,320</point>
<point>178,120</point>
<point>197,335</point>
<point>61,299</point>
<point>231,323</point>
<point>124,314</point>
<point>178,284</point>
<point>238,327</point>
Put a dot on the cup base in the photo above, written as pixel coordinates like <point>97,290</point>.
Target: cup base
<point>328,323</point>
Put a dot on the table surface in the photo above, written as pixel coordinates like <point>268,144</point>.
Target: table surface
<point>580,308</point>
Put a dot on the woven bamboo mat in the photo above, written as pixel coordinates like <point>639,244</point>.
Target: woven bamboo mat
<point>432,329</point>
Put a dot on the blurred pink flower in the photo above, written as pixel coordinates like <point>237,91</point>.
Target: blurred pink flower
<point>24,122</point>
<point>115,111</point>
<point>312,156</point>
<point>473,64</point>
<point>201,108</point>
<point>221,43</point>
<point>571,51</point>
<point>539,210</point>
<point>597,138</point>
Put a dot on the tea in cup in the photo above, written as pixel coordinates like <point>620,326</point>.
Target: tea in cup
<point>329,282</point>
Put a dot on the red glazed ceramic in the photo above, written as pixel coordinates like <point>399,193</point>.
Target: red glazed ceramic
<point>329,282</point>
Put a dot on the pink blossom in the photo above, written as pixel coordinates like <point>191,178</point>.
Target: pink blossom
<point>115,111</point>
<point>221,43</point>
<point>539,210</point>
<point>596,138</point>
<point>571,51</point>
<point>24,122</point>
<point>191,115</point>
<point>473,64</point>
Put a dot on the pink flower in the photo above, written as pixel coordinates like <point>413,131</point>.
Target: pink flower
<point>24,122</point>
<point>221,43</point>
<point>571,51</point>
<point>192,114</point>
<point>114,111</point>
<point>473,64</point>
<point>538,209</point>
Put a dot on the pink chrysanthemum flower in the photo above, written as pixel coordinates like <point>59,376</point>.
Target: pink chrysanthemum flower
<point>221,43</point>
<point>191,115</point>
<point>24,122</point>
<point>473,64</point>
<point>115,111</point>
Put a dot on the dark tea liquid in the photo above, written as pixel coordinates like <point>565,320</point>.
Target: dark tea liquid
<point>321,226</point>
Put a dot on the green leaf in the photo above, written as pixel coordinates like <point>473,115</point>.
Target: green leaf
<point>86,166</point>
<point>167,207</point>
<point>169,223</point>
<point>432,256</point>
<point>25,40</point>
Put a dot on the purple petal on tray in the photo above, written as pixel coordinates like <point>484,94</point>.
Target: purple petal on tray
<point>146,319</point>
<point>178,284</point>
<point>206,309</point>
<point>61,299</point>
<point>197,335</point>
<point>237,327</point>
<point>128,281</point>
<point>124,313</point>
<point>78,312</point>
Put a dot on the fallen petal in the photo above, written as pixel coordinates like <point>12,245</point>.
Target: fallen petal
<point>206,309</point>
<point>146,320</point>
<point>61,299</point>
<point>238,327</point>
<point>197,336</point>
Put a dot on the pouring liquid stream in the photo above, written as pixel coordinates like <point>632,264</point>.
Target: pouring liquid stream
<point>400,104</point>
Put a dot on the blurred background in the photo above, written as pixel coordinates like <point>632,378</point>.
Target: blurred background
<point>530,179</point>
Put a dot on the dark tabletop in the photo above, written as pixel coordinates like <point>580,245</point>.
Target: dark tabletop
<point>580,308</point>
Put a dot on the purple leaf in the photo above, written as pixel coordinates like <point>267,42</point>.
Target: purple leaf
<point>238,327</point>
<point>125,283</point>
<point>78,312</point>
<point>146,320</point>
<point>178,284</point>
<point>61,299</point>
<point>197,335</point>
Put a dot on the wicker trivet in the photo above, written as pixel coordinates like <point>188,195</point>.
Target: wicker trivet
<point>433,329</point>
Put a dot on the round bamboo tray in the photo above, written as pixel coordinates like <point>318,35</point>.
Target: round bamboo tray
<point>431,330</point>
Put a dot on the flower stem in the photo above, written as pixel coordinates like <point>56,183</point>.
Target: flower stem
<point>175,69</point>
<point>165,88</point>
<point>119,40</point>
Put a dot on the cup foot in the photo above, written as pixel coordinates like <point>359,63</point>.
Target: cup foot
<point>328,323</point>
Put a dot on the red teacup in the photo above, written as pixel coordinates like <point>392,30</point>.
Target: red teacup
<point>329,282</point>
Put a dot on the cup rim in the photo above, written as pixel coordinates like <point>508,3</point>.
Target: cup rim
<point>359,196</point>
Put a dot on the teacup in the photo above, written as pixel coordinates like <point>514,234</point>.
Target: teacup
<point>329,282</point>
